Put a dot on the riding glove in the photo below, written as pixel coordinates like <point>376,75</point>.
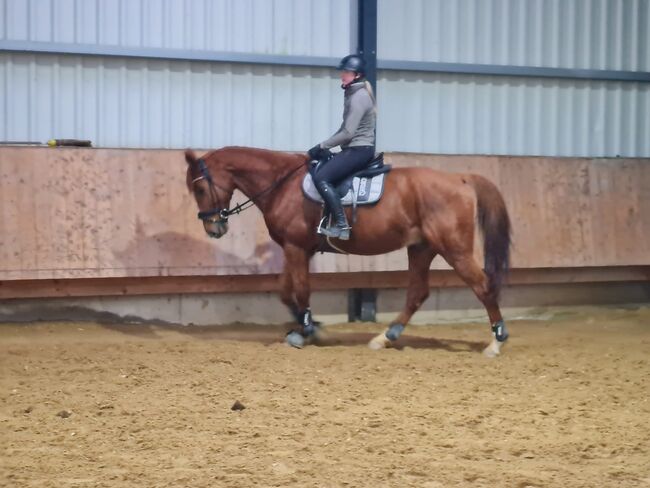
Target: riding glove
<point>315,152</point>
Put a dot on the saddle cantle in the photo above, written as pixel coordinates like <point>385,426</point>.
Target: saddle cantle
<point>364,187</point>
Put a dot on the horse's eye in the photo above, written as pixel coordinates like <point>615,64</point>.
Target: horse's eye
<point>199,192</point>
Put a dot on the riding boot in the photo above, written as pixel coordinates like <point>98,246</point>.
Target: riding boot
<point>340,229</point>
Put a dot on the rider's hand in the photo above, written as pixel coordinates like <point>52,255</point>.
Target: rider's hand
<point>315,152</point>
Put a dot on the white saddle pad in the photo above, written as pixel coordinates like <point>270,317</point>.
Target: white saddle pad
<point>368,190</point>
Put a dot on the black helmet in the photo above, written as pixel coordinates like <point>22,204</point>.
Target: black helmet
<point>352,62</point>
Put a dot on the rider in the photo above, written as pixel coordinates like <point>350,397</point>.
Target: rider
<point>356,136</point>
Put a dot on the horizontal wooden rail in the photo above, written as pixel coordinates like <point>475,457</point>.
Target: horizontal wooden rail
<point>161,285</point>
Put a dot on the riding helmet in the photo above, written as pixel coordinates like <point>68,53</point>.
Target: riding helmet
<point>352,62</point>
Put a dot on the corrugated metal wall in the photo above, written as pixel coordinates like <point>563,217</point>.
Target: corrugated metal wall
<point>589,34</point>
<point>463,114</point>
<point>299,27</point>
<point>157,103</point>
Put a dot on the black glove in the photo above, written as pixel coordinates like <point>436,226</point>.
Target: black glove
<point>315,152</point>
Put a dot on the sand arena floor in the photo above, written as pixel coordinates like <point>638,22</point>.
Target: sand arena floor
<point>104,405</point>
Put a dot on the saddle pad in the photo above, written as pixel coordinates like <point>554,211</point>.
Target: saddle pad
<point>368,190</point>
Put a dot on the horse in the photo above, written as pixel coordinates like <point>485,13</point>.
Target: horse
<point>429,212</point>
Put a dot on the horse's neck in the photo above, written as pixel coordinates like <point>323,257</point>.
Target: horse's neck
<point>258,175</point>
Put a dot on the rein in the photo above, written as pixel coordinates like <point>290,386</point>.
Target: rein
<point>224,213</point>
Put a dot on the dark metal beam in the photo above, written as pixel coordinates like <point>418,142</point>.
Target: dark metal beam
<point>34,47</point>
<point>367,38</point>
<point>362,305</point>
<point>509,70</point>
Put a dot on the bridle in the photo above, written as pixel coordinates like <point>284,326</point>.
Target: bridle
<point>208,216</point>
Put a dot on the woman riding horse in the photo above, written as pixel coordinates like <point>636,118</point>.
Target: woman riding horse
<point>356,136</point>
<point>427,211</point>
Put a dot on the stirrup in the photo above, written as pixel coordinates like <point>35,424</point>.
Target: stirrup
<point>335,232</point>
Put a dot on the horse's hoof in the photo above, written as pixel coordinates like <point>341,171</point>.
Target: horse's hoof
<point>493,350</point>
<point>294,339</point>
<point>488,352</point>
<point>379,342</point>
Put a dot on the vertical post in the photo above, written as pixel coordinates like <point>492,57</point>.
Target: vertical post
<point>367,38</point>
<point>362,305</point>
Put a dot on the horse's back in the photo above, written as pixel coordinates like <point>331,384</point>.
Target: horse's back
<point>435,184</point>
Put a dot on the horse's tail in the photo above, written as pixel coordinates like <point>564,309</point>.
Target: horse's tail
<point>494,223</point>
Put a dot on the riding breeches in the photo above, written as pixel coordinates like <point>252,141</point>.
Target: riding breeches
<point>343,164</point>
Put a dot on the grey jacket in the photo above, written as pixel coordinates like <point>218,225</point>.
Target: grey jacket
<point>358,127</point>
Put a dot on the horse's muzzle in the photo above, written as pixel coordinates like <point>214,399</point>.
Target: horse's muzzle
<point>215,229</point>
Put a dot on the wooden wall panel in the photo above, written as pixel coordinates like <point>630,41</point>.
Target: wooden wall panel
<point>109,213</point>
<point>566,211</point>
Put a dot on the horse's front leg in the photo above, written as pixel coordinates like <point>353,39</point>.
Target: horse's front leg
<point>288,298</point>
<point>286,294</point>
<point>296,292</point>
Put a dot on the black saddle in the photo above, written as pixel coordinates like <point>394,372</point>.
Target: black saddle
<point>375,167</point>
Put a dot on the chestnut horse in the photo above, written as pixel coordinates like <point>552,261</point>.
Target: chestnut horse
<point>427,211</point>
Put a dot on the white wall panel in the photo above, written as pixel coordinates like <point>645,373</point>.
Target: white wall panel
<point>508,115</point>
<point>121,102</point>
<point>168,104</point>
<point>298,27</point>
<point>587,34</point>
<point>463,114</point>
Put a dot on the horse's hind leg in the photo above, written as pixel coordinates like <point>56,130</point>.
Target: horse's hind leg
<point>472,274</point>
<point>420,257</point>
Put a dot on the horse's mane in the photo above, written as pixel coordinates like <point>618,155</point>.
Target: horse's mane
<point>246,158</point>
<point>279,158</point>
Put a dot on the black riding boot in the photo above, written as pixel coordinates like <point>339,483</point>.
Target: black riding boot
<point>340,229</point>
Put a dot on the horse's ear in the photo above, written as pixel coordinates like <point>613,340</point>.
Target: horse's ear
<point>190,157</point>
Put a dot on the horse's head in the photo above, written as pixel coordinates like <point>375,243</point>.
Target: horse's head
<point>212,187</point>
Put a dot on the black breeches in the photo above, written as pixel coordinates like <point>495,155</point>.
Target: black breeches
<point>348,161</point>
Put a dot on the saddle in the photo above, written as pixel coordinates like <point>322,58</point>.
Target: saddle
<point>364,187</point>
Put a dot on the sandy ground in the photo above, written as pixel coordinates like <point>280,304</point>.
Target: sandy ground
<point>567,405</point>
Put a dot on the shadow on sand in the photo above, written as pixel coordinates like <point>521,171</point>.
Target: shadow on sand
<point>274,334</point>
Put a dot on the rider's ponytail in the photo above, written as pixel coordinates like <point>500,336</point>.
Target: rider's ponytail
<point>371,92</point>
